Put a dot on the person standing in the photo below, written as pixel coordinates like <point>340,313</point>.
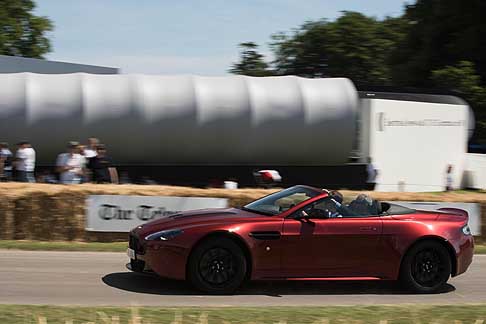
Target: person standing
<point>70,165</point>
<point>102,168</point>
<point>372,174</point>
<point>449,178</point>
<point>25,162</point>
<point>84,163</point>
<point>5,163</point>
<point>90,149</point>
<point>89,153</point>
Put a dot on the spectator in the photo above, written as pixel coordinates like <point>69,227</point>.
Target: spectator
<point>90,149</point>
<point>89,153</point>
<point>449,178</point>
<point>372,174</point>
<point>25,162</point>
<point>84,166</point>
<point>5,163</point>
<point>70,165</point>
<point>102,168</point>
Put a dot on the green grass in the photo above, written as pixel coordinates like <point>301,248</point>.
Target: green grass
<point>63,246</point>
<point>480,249</point>
<point>14,314</point>
<point>99,247</point>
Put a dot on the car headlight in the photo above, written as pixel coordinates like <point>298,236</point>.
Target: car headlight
<point>164,235</point>
<point>466,230</point>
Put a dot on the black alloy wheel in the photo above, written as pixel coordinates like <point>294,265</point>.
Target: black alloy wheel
<point>217,265</point>
<point>426,267</point>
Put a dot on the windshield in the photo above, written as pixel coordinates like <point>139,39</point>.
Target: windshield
<point>281,201</point>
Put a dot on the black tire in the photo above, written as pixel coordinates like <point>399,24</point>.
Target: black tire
<point>426,267</point>
<point>217,266</point>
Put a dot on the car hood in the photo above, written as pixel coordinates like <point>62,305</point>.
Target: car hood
<point>196,217</point>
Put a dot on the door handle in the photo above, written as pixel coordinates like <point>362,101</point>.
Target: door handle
<point>368,229</point>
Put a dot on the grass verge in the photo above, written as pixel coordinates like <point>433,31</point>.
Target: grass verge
<point>480,249</point>
<point>64,246</point>
<point>100,247</point>
<point>14,314</point>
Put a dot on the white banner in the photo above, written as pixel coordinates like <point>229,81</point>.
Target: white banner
<point>472,209</point>
<point>113,213</point>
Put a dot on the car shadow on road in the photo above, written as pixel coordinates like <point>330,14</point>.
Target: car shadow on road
<point>152,284</point>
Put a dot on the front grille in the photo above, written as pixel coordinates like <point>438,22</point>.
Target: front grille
<point>134,243</point>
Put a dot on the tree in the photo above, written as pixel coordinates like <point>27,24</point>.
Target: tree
<point>353,46</point>
<point>21,32</point>
<point>360,46</point>
<point>251,62</point>
<point>462,78</point>
<point>440,33</point>
<point>304,53</point>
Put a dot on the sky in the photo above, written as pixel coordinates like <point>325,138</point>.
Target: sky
<point>182,36</point>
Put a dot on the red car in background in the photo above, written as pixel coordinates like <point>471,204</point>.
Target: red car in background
<point>305,233</point>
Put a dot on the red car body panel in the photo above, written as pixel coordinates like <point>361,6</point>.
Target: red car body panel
<point>279,247</point>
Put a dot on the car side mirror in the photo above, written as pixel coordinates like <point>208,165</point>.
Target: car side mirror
<point>302,215</point>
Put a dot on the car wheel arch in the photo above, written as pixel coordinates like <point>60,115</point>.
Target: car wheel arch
<point>444,242</point>
<point>235,238</point>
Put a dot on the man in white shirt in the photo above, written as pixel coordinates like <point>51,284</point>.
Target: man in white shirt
<point>90,150</point>
<point>70,165</point>
<point>5,163</point>
<point>25,162</point>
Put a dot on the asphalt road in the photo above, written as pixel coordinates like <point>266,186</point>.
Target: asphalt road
<point>80,278</point>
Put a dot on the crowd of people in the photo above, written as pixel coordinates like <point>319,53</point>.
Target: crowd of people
<point>78,164</point>
<point>90,163</point>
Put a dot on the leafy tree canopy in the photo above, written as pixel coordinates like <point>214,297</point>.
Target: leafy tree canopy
<point>353,46</point>
<point>464,80</point>
<point>440,33</point>
<point>21,32</point>
<point>251,62</point>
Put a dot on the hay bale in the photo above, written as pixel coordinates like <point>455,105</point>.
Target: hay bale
<point>7,228</point>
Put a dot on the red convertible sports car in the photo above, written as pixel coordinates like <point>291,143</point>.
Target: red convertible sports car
<point>305,233</point>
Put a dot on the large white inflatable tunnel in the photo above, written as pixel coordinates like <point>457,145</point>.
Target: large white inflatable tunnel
<point>160,120</point>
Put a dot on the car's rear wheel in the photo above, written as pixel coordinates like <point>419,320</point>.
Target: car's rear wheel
<point>217,265</point>
<point>426,267</point>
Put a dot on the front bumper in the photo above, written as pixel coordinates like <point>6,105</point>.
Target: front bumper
<point>166,260</point>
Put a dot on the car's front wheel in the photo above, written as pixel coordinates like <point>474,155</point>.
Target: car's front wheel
<point>217,265</point>
<point>426,267</point>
